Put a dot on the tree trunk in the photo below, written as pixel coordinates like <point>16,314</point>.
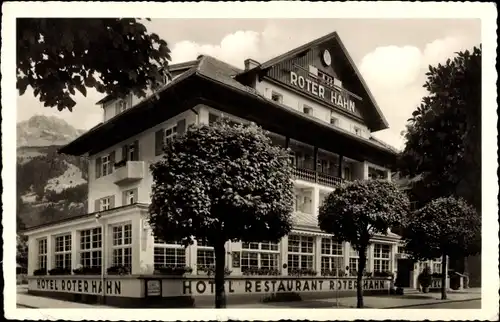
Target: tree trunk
<point>359,278</point>
<point>444,272</point>
<point>220,264</point>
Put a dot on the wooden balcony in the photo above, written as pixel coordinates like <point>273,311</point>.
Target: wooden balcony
<point>316,177</point>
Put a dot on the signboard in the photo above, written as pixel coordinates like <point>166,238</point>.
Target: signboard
<point>331,95</point>
<point>153,288</point>
<point>256,286</point>
<point>90,286</point>
<point>435,283</point>
<point>236,259</point>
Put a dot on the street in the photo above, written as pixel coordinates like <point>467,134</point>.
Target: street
<point>472,304</point>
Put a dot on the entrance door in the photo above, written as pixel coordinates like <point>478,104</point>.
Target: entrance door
<point>405,266</point>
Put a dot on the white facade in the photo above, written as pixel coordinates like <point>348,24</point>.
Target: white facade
<point>121,195</point>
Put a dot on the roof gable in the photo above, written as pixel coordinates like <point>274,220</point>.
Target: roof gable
<point>355,98</point>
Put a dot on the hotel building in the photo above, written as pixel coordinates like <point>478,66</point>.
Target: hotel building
<point>311,99</point>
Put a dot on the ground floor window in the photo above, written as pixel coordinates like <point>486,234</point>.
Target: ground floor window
<point>122,245</point>
<point>169,254</point>
<point>91,247</point>
<point>300,252</point>
<point>260,255</point>
<point>42,253</point>
<point>382,258</point>
<point>332,258</point>
<point>354,261</point>
<point>62,251</point>
<point>436,265</point>
<point>205,258</point>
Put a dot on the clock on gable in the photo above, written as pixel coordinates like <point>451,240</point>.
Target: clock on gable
<point>326,58</point>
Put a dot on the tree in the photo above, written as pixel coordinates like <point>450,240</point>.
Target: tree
<point>355,211</point>
<point>443,227</point>
<point>443,136</point>
<point>221,183</point>
<point>55,56</point>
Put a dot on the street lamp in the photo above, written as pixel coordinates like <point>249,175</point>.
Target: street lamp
<point>103,255</point>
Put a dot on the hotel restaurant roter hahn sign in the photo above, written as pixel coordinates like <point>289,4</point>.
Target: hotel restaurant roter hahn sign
<point>329,94</point>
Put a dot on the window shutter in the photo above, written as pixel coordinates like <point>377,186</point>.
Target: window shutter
<point>159,136</point>
<point>124,198</point>
<point>112,161</point>
<point>125,152</point>
<point>111,202</point>
<point>136,193</point>
<point>98,163</point>
<point>97,205</point>
<point>136,150</point>
<point>117,107</point>
<point>181,126</point>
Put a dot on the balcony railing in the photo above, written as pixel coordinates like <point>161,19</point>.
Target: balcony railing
<point>316,177</point>
<point>129,172</point>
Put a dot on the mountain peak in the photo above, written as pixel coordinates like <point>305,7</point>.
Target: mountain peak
<point>41,130</point>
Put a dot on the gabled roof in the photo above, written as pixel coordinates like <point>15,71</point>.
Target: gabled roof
<point>382,124</point>
<point>171,68</point>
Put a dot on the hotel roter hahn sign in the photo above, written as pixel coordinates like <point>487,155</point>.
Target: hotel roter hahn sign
<point>329,94</point>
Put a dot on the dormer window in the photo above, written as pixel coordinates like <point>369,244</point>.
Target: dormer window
<point>277,97</point>
<point>308,110</point>
<point>334,121</point>
<point>121,105</point>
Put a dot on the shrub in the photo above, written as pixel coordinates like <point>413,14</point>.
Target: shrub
<point>40,272</point>
<point>60,271</point>
<point>173,270</point>
<point>210,270</point>
<point>260,271</point>
<point>425,278</point>
<point>302,272</point>
<point>95,270</point>
<point>118,270</point>
<point>383,274</point>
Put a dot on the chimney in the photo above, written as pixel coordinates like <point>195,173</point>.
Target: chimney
<point>250,64</point>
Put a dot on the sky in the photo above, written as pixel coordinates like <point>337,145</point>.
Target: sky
<point>392,56</point>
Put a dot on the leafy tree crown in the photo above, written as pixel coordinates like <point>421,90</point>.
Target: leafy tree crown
<point>445,225</point>
<point>222,182</point>
<point>357,210</point>
<point>57,56</point>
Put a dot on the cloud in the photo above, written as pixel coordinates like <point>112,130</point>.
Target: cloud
<point>395,76</point>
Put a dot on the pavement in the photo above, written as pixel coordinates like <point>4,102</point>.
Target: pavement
<point>412,300</point>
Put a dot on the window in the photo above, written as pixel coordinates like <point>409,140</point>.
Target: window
<point>402,250</point>
<point>347,173</point>
<point>129,197</point>
<point>334,121</point>
<point>354,261</point>
<point>436,265</point>
<point>303,203</point>
<point>62,251</point>
<point>171,253</point>
<point>332,258</point>
<point>382,258</point>
<point>122,245</point>
<point>260,255</point>
<point>277,97</point>
<point>130,152</point>
<point>121,105</point>
<point>325,78</point>
<point>91,247</point>
<point>42,253</point>
<point>205,256</point>
<point>170,134</point>
<point>104,164</point>
<point>308,110</point>
<point>300,252</point>
<point>105,203</point>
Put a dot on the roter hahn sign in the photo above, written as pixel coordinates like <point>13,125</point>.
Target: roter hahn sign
<point>205,287</point>
<point>328,94</point>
